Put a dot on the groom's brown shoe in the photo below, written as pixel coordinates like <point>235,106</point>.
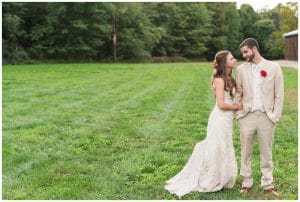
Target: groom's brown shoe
<point>245,190</point>
<point>271,191</point>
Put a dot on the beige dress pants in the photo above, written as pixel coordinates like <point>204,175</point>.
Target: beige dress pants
<point>256,123</point>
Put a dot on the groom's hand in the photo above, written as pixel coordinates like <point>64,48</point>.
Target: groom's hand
<point>239,89</point>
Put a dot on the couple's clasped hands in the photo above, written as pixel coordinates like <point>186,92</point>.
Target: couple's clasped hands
<point>238,105</point>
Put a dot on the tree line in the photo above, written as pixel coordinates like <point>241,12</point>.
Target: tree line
<point>138,31</point>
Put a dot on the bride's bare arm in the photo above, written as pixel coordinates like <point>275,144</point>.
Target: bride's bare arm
<point>239,86</point>
<point>219,86</point>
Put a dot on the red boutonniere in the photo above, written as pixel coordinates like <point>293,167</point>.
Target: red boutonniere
<point>263,73</point>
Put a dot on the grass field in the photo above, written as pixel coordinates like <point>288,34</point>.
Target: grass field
<point>119,131</point>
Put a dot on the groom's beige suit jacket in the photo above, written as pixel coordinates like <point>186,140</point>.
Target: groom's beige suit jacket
<point>272,89</point>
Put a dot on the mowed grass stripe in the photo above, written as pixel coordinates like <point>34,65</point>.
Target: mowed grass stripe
<point>67,102</point>
<point>153,87</point>
<point>144,92</point>
<point>49,93</point>
<point>133,168</point>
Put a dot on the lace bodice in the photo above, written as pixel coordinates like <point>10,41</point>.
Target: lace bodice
<point>227,97</point>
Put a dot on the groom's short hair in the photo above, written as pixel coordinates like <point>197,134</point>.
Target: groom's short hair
<point>250,42</point>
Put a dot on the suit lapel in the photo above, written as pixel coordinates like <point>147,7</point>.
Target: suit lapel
<point>249,76</point>
<point>264,67</point>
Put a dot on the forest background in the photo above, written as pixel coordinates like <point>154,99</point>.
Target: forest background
<point>46,32</point>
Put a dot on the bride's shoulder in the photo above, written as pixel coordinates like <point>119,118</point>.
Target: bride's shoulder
<point>218,81</point>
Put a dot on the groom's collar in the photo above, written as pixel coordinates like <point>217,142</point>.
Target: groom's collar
<point>261,64</point>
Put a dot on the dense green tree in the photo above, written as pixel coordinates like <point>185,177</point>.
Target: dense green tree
<point>248,19</point>
<point>185,29</point>
<point>162,15</point>
<point>263,30</point>
<point>70,30</point>
<point>197,31</point>
<point>219,39</point>
<point>233,22</point>
<point>136,35</point>
<point>285,20</point>
<point>191,30</point>
<point>289,13</point>
<point>226,28</point>
<point>13,36</point>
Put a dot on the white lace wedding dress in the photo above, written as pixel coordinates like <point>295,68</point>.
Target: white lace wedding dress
<point>212,165</point>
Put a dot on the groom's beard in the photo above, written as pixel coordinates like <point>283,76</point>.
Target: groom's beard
<point>250,58</point>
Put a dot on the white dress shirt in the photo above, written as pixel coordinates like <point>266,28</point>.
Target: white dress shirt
<point>257,81</point>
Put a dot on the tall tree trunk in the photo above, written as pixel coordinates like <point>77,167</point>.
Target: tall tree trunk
<point>114,37</point>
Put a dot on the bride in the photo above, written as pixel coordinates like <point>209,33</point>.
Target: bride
<point>212,165</point>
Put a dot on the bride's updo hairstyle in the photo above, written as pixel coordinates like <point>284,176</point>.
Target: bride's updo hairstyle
<point>220,62</point>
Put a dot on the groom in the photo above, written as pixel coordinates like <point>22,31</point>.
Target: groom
<point>260,88</point>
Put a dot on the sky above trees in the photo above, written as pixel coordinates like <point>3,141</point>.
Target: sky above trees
<point>258,5</point>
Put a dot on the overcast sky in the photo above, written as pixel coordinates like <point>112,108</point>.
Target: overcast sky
<point>260,4</point>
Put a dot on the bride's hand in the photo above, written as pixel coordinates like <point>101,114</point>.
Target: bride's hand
<point>239,105</point>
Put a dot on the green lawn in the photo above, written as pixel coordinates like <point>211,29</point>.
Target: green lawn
<point>119,131</point>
